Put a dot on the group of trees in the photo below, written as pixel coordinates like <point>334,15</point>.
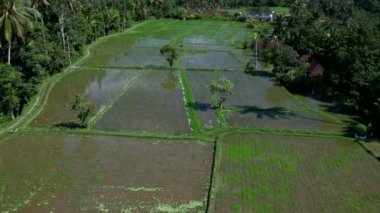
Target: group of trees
<point>344,37</point>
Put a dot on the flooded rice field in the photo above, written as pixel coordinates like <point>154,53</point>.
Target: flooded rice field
<point>134,91</point>
<point>154,103</point>
<point>99,85</point>
<point>67,173</point>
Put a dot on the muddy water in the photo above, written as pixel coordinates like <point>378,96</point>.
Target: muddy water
<point>99,85</point>
<point>154,103</point>
<point>62,173</point>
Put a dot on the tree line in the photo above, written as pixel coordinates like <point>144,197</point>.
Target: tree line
<point>344,37</point>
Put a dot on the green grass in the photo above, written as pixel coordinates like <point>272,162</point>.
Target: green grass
<point>243,10</point>
<point>280,10</point>
<point>153,135</point>
<point>263,173</point>
<point>190,101</point>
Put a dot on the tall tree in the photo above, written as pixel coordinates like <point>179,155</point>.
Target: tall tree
<point>82,108</point>
<point>14,18</point>
<point>222,86</point>
<point>10,82</point>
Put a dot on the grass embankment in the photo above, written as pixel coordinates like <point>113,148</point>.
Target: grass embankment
<point>138,134</point>
<point>194,121</point>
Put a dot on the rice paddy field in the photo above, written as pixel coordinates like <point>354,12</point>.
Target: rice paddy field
<point>155,143</point>
<point>271,173</point>
<point>69,173</point>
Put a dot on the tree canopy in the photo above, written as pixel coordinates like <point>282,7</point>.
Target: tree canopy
<point>223,86</point>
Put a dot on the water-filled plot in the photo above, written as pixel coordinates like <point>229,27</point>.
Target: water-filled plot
<point>277,118</point>
<point>62,173</point>
<point>266,173</point>
<point>152,42</point>
<point>214,60</point>
<point>99,85</point>
<point>202,43</point>
<point>154,103</point>
<point>140,57</point>
<point>255,92</point>
<point>203,105</point>
<point>106,51</point>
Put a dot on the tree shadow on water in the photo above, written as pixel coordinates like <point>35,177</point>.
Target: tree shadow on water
<point>259,73</point>
<point>68,125</point>
<point>282,113</point>
<point>273,113</point>
<point>201,106</point>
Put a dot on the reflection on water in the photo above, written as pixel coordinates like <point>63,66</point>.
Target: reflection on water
<point>199,40</point>
<point>171,81</point>
<point>101,90</point>
<point>100,85</point>
<point>62,173</point>
<point>211,60</point>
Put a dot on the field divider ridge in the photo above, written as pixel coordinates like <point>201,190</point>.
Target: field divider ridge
<point>309,109</point>
<point>189,100</point>
<point>157,68</point>
<point>283,132</point>
<point>213,177</point>
<point>129,134</point>
<point>118,95</point>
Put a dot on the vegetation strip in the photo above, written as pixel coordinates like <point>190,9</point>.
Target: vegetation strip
<point>189,103</point>
<point>222,131</point>
<point>369,150</point>
<point>152,135</point>
<point>211,189</point>
<point>307,108</point>
<point>108,106</point>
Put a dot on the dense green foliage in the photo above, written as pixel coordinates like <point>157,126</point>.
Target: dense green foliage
<point>222,86</point>
<point>10,87</point>
<point>82,108</point>
<point>170,53</point>
<point>344,39</point>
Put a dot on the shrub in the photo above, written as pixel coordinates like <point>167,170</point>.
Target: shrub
<point>170,53</point>
<point>361,129</point>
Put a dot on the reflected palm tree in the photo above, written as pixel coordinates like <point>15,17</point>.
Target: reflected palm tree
<point>171,81</point>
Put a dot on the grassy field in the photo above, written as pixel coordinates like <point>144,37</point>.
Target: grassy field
<point>263,173</point>
<point>279,10</point>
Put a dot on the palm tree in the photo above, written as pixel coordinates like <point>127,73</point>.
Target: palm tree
<point>14,18</point>
<point>34,3</point>
<point>281,27</point>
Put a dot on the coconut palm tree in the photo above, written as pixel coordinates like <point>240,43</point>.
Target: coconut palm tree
<point>14,18</point>
<point>34,3</point>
